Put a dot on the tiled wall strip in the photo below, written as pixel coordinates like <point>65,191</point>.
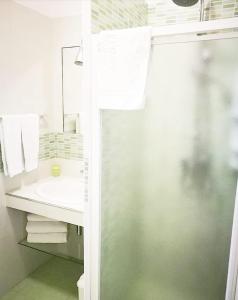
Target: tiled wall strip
<point>117,14</point>
<point>165,12</point>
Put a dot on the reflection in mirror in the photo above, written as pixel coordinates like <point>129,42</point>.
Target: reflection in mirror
<point>71,123</point>
<point>74,123</point>
<point>71,89</point>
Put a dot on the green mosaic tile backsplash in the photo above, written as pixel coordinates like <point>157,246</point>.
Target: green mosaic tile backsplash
<point>118,14</point>
<point>47,146</point>
<point>69,146</point>
<point>61,145</point>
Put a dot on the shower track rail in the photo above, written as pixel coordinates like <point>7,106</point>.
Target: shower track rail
<point>203,27</point>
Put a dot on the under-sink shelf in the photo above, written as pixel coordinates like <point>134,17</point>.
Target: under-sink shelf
<point>59,198</point>
<point>52,250</point>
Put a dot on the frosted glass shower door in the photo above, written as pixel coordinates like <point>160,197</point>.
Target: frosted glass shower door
<point>169,178</point>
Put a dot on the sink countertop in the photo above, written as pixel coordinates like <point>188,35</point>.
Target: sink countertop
<point>29,192</point>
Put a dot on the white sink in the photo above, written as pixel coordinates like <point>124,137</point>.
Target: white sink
<point>61,190</point>
<point>60,198</point>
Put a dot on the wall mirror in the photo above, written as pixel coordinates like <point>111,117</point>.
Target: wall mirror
<point>71,89</point>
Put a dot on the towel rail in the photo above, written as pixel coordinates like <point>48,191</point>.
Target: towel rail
<point>42,121</point>
<point>42,117</point>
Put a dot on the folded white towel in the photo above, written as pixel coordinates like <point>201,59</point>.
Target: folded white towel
<point>30,140</point>
<point>11,145</point>
<point>121,58</point>
<point>33,217</point>
<point>45,227</point>
<point>56,238</point>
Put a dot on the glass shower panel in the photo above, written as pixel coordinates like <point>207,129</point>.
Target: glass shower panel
<point>169,178</point>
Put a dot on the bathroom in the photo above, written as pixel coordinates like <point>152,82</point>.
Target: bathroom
<point>119,154</point>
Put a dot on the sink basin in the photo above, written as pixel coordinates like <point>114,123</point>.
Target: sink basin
<point>61,190</point>
<point>60,198</point>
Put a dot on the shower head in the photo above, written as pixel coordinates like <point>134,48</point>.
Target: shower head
<point>79,57</point>
<point>185,3</point>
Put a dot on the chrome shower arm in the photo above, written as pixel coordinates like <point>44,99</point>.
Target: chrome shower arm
<point>201,10</point>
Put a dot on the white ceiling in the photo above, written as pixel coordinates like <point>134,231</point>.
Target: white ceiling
<point>53,8</point>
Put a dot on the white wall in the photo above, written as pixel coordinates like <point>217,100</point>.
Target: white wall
<point>25,43</point>
<point>24,60</point>
<point>30,81</point>
<point>30,60</point>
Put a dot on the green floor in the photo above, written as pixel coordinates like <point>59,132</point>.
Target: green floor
<point>55,280</point>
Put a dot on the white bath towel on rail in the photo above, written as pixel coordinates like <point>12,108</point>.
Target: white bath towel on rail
<point>30,141</point>
<point>11,145</point>
<point>121,59</point>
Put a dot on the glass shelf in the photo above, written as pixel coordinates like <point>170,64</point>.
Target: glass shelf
<point>58,250</point>
<point>72,250</point>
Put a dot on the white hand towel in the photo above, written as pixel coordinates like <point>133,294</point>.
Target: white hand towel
<point>48,238</point>
<point>46,227</point>
<point>33,217</point>
<point>11,145</point>
<point>30,140</point>
<point>121,58</point>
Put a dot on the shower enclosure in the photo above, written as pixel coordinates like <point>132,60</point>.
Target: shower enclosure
<point>168,178</point>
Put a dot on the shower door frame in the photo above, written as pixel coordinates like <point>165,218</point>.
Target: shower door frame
<point>166,34</point>
<point>195,27</point>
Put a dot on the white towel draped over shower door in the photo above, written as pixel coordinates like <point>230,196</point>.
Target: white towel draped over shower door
<point>121,58</point>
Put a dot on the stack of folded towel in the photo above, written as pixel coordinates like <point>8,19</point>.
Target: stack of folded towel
<point>44,230</point>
